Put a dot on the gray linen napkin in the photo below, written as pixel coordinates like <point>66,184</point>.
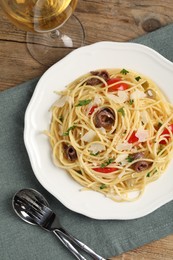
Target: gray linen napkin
<point>21,241</point>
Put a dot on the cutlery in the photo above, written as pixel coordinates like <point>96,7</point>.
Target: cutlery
<point>33,208</point>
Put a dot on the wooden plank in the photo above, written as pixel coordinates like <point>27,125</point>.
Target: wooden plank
<point>158,250</point>
<point>16,68</point>
<point>103,20</point>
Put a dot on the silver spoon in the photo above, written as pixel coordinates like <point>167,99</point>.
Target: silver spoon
<point>34,209</point>
<point>22,212</point>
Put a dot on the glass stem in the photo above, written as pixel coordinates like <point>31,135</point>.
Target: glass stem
<point>55,34</point>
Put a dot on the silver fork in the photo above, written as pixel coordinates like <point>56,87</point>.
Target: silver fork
<point>43,216</point>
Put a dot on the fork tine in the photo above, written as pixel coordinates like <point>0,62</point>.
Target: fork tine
<point>32,198</point>
<point>47,210</point>
<point>41,212</point>
<point>29,207</point>
<point>33,201</point>
<point>28,204</point>
<point>36,214</point>
<point>38,205</point>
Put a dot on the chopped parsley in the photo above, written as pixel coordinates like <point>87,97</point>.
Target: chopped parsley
<point>124,71</point>
<point>131,101</point>
<point>130,158</point>
<point>103,186</point>
<point>148,174</point>
<point>121,110</point>
<point>138,78</point>
<point>83,102</point>
<point>106,163</point>
<point>68,130</point>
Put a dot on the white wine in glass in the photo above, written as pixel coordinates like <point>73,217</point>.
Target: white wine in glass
<point>52,29</point>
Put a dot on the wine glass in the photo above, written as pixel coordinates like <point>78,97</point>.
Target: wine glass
<point>52,29</point>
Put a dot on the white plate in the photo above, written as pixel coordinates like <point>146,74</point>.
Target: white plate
<point>97,56</point>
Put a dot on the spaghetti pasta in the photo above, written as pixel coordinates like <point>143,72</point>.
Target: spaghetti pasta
<point>112,130</point>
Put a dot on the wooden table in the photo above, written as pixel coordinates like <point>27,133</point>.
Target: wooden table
<point>114,20</point>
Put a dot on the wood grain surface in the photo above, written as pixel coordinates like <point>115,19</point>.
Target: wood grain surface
<point>110,20</point>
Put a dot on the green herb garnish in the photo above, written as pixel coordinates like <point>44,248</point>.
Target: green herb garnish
<point>131,101</point>
<point>124,71</point>
<point>68,130</point>
<point>103,186</point>
<point>106,163</point>
<point>130,158</point>
<point>83,102</point>
<point>121,110</point>
<point>138,78</point>
<point>148,174</point>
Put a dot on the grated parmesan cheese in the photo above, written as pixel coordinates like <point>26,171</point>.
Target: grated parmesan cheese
<point>137,94</point>
<point>121,158</point>
<point>124,146</point>
<point>96,148</point>
<point>97,100</point>
<point>142,134</point>
<point>89,136</point>
<point>121,97</point>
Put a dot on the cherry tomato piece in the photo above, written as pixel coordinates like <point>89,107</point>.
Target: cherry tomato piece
<point>92,110</point>
<point>166,133</point>
<point>133,138</point>
<point>105,170</point>
<point>117,86</point>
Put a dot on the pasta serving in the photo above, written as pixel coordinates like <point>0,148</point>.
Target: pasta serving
<point>112,130</point>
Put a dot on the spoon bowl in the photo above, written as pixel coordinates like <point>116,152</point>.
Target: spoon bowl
<point>34,209</point>
<point>27,195</point>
